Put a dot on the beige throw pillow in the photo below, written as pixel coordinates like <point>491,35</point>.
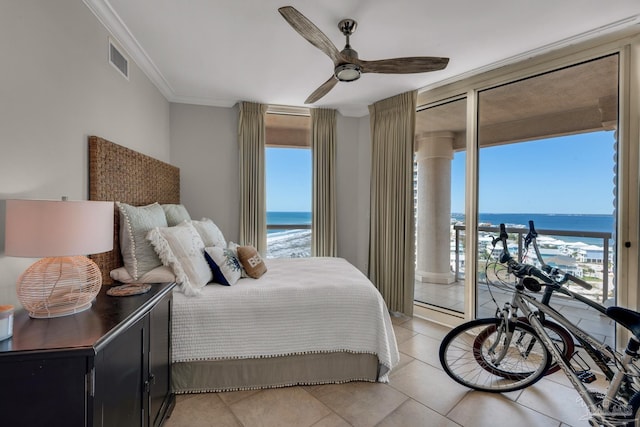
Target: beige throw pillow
<point>251,261</point>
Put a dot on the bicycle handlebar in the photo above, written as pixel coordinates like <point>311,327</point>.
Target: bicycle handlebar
<point>531,235</point>
<point>521,270</point>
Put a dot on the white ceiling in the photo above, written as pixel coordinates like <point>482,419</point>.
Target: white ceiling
<point>219,52</point>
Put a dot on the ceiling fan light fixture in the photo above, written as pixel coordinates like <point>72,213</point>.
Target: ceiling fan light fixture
<point>347,72</point>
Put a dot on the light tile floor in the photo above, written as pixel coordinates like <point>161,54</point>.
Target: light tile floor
<point>419,394</point>
<point>451,296</point>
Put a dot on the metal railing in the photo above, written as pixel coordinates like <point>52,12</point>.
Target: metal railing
<point>521,232</point>
<point>288,227</point>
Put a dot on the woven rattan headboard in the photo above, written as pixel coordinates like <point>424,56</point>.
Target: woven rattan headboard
<point>119,174</point>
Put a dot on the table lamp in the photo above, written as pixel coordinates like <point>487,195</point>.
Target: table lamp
<point>65,281</point>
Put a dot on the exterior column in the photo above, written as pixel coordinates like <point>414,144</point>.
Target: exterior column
<point>434,155</point>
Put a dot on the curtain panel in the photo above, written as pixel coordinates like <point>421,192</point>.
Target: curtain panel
<point>251,139</point>
<point>391,250</point>
<point>323,146</point>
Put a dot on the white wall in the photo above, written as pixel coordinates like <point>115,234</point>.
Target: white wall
<point>57,88</point>
<point>353,195</point>
<point>204,145</point>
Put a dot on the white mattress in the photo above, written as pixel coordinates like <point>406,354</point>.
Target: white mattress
<point>300,306</point>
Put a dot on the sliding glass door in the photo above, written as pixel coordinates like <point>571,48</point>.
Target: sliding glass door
<point>441,134</point>
<point>547,152</point>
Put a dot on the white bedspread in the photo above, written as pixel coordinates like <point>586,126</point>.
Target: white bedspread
<point>301,305</point>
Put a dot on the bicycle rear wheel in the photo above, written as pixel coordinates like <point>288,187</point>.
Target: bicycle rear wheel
<point>469,354</point>
<point>560,337</point>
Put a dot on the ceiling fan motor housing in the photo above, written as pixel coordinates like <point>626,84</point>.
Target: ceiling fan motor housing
<point>347,72</point>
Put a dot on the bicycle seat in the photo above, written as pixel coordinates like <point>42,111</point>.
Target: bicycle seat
<point>628,318</point>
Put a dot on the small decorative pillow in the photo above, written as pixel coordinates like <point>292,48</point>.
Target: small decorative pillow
<point>135,222</point>
<point>234,248</point>
<point>160,274</point>
<point>180,248</point>
<point>210,233</point>
<point>251,261</point>
<point>224,265</point>
<point>175,214</point>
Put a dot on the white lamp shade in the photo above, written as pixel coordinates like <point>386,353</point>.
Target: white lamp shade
<point>46,228</point>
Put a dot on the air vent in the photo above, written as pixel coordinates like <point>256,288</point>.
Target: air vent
<point>118,59</point>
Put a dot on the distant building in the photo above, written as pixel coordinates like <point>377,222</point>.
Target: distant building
<point>565,263</point>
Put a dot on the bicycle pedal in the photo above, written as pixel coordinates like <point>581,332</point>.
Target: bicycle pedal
<point>586,377</point>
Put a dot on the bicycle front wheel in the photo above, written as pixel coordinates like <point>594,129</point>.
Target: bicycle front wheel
<point>481,355</point>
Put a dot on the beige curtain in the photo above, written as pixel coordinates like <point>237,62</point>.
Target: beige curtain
<point>391,250</point>
<point>251,136</point>
<point>323,146</point>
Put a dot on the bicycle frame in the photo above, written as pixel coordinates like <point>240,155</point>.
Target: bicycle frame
<point>586,340</point>
<point>600,353</point>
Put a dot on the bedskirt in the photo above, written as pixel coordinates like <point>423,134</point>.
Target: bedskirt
<point>269,372</point>
<point>306,321</point>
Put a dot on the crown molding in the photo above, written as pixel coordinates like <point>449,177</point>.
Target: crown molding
<point>111,21</point>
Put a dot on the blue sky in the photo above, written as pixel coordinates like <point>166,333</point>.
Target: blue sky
<point>288,172</point>
<point>569,174</point>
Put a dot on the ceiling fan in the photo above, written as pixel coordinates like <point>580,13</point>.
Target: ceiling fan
<point>347,66</point>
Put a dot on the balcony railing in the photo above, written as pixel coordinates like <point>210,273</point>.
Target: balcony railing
<point>288,227</point>
<point>521,232</point>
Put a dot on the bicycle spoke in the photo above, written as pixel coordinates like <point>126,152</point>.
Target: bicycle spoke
<point>467,357</point>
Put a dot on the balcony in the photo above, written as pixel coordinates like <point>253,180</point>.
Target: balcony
<point>452,296</point>
<point>594,268</point>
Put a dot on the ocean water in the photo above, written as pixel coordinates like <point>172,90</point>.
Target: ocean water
<point>573,222</point>
<point>275,218</point>
<point>569,222</point>
<point>565,222</point>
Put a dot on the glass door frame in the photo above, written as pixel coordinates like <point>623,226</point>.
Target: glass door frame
<point>628,199</point>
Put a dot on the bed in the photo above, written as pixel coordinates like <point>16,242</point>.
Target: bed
<point>305,321</point>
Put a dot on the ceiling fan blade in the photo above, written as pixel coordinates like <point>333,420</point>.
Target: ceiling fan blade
<point>310,32</point>
<point>408,65</point>
<point>322,90</point>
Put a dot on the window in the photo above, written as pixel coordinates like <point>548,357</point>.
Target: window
<point>288,166</point>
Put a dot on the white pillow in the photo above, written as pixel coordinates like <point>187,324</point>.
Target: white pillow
<point>210,233</point>
<point>160,274</point>
<point>225,266</point>
<point>181,248</point>
<point>234,248</point>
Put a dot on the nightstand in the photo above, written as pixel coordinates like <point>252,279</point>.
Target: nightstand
<point>107,366</point>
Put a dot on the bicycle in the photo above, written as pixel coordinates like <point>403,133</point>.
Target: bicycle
<point>561,337</point>
<point>518,354</point>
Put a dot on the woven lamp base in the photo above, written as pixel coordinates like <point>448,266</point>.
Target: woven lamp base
<point>59,286</point>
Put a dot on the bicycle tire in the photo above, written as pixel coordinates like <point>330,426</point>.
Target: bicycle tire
<point>558,334</point>
<point>460,353</point>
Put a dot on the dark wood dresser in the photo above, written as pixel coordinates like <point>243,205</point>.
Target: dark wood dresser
<point>107,366</point>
